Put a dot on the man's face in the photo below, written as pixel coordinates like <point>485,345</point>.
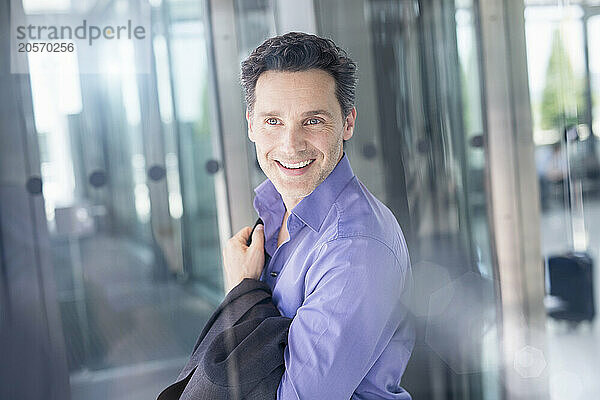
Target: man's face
<point>298,129</point>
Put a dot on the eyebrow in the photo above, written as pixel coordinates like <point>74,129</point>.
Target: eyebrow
<point>305,114</point>
<point>316,112</point>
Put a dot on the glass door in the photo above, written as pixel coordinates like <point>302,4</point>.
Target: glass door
<point>129,166</point>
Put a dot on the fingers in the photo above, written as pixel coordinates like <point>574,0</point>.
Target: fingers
<point>258,237</point>
<point>243,234</point>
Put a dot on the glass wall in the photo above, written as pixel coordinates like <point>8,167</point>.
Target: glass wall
<point>129,164</point>
<point>187,45</point>
<point>563,54</point>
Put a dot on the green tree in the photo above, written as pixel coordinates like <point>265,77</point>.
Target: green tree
<point>562,99</point>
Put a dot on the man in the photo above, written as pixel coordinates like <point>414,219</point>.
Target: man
<point>338,263</point>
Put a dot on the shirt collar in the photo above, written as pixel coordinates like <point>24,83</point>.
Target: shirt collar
<point>312,209</point>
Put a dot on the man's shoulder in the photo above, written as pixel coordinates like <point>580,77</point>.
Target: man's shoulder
<point>358,213</point>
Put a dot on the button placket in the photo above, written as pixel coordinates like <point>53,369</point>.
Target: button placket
<point>293,224</point>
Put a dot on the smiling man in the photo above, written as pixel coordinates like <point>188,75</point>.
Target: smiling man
<point>337,260</point>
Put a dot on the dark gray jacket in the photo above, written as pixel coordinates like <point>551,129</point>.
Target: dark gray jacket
<point>239,354</point>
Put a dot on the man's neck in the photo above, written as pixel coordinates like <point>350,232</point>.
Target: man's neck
<point>290,204</point>
<point>283,232</point>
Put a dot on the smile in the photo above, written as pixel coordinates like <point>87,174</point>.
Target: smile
<point>294,168</point>
<point>295,165</point>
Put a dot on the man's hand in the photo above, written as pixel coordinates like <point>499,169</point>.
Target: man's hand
<point>241,261</point>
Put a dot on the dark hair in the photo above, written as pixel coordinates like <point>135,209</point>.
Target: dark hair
<point>297,51</point>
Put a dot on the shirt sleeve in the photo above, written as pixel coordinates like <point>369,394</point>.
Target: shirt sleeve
<point>349,314</point>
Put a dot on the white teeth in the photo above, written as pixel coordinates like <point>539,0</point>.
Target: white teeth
<point>298,165</point>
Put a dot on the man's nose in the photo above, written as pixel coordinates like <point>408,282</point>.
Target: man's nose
<point>292,140</point>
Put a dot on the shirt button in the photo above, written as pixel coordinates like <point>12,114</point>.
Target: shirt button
<point>274,274</point>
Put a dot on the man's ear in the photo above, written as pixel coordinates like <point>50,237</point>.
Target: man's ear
<point>349,124</point>
<point>249,120</point>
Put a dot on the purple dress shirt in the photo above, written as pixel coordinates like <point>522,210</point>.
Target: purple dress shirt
<point>344,277</point>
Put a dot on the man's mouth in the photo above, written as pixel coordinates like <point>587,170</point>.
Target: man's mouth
<point>297,165</point>
<point>296,168</point>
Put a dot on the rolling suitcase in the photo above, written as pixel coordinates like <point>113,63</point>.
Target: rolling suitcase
<point>571,281</point>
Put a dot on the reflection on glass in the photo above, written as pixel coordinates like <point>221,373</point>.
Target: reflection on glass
<point>51,75</point>
<point>163,78</point>
<point>473,126</point>
<point>188,63</point>
<point>474,182</point>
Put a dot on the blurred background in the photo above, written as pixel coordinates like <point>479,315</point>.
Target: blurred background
<point>479,127</point>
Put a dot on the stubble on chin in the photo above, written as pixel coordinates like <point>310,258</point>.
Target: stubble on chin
<point>288,189</point>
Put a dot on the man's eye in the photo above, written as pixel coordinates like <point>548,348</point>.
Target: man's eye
<point>271,121</point>
<point>313,121</point>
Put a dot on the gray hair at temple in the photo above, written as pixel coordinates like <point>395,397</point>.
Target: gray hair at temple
<point>297,51</point>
